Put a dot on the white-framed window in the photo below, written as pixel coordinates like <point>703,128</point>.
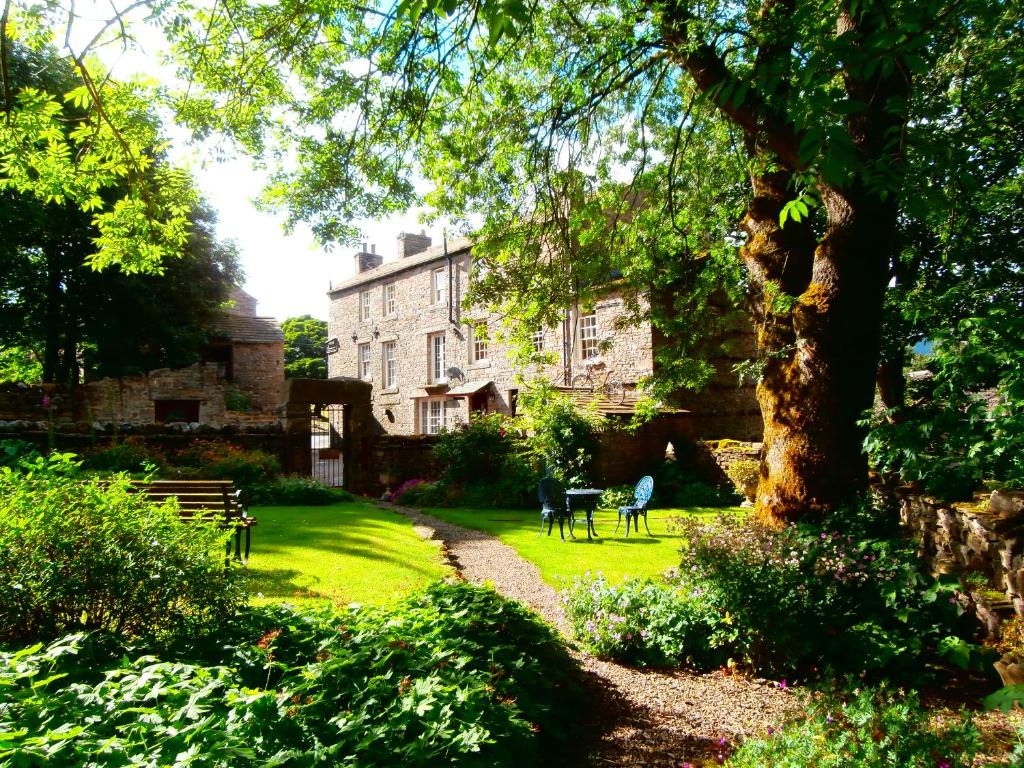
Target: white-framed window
<point>364,361</point>
<point>389,364</point>
<point>478,349</point>
<point>431,415</point>
<point>588,337</point>
<point>537,339</point>
<point>438,286</point>
<point>437,363</point>
<point>389,300</point>
<point>364,305</point>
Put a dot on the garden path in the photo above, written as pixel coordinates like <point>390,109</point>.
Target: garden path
<point>647,718</point>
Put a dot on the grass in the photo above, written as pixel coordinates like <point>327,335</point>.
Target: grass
<point>612,554</point>
<point>340,554</point>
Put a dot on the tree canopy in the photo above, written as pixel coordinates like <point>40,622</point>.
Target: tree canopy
<point>824,164</point>
<point>305,347</point>
<point>74,320</point>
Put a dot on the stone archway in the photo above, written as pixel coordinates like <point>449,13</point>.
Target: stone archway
<point>353,396</point>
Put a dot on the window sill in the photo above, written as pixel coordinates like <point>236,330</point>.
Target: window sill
<point>389,391</point>
<point>479,365</point>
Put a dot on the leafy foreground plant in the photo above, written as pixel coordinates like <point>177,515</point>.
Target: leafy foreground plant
<point>798,602</point>
<point>88,554</point>
<point>453,676</point>
<point>872,729</point>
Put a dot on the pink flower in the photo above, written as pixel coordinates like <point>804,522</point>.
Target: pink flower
<point>46,401</point>
<point>782,684</point>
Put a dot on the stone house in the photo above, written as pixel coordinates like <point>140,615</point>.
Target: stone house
<point>400,326</point>
<point>239,380</point>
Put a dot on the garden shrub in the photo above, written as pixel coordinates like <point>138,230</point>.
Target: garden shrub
<point>560,438</point>
<point>426,494</point>
<point>678,485</point>
<point>484,464</point>
<point>847,595</point>
<point>617,496</point>
<point>871,729</point>
<point>89,554</point>
<point>225,461</point>
<point>645,622</point>
<point>13,452</point>
<point>131,455</point>
<point>455,675</point>
<point>294,490</point>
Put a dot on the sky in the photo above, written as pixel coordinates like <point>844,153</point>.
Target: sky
<point>289,275</point>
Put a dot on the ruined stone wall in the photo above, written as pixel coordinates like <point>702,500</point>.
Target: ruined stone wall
<point>131,399</point>
<point>259,373</point>
<point>628,353</point>
<point>983,536</point>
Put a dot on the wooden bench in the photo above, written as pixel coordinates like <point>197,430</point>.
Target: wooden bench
<point>206,500</point>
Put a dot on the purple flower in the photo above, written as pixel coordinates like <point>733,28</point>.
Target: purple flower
<point>722,742</point>
<point>944,763</point>
<point>828,718</point>
<point>46,401</point>
<point>782,684</point>
<point>771,730</point>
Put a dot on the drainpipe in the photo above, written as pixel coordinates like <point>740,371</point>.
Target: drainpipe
<point>451,281</point>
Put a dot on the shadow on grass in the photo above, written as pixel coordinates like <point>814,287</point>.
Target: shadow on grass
<point>281,582</point>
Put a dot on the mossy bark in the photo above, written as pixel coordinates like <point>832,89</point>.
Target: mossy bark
<point>818,306</point>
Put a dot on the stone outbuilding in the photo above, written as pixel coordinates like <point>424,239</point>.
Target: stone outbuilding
<point>239,380</point>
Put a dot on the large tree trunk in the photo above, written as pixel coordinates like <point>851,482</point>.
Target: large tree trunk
<point>820,353</point>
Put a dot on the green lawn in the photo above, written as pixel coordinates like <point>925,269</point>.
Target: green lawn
<point>343,553</point>
<point>612,554</point>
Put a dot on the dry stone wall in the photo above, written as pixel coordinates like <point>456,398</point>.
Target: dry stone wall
<point>984,536</point>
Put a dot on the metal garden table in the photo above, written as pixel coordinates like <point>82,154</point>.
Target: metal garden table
<point>583,500</point>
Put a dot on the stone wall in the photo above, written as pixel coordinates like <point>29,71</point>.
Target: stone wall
<point>397,458</point>
<point>984,536</point>
<point>39,402</point>
<point>259,373</point>
<point>625,457</point>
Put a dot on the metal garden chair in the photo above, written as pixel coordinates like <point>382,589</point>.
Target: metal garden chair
<point>641,498</point>
<point>551,494</point>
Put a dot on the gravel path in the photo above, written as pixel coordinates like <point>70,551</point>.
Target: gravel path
<point>647,718</point>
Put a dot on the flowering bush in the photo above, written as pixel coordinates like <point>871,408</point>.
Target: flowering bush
<point>398,495</point>
<point>485,464</point>
<point>872,729</point>
<point>812,598</point>
<point>647,623</point>
<point>130,455</point>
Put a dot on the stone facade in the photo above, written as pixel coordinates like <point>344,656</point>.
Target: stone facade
<point>398,308</point>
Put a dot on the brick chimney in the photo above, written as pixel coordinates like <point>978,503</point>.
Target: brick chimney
<point>368,259</point>
<point>409,245</point>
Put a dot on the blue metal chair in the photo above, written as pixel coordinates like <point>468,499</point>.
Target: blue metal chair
<point>551,494</point>
<point>641,497</point>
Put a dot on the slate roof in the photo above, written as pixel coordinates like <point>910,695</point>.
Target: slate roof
<point>388,268</point>
<point>248,330</point>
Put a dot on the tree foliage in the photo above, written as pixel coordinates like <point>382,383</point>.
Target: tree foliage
<point>73,135</point>
<point>305,347</point>
<point>72,318</point>
<point>824,146</point>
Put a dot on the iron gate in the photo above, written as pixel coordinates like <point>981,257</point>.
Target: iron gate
<point>326,443</point>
